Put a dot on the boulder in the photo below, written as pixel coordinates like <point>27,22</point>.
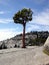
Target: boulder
<point>46,47</point>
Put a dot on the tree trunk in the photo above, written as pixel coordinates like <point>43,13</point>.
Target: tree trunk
<point>23,39</point>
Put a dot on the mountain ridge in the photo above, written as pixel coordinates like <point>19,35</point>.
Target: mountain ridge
<point>31,39</point>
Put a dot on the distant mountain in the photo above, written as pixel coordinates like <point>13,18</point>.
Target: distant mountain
<point>32,38</point>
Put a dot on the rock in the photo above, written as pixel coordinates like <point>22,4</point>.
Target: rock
<point>29,56</point>
<point>11,43</point>
<point>46,46</point>
<point>47,64</point>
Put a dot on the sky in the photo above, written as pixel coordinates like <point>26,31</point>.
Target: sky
<point>8,8</point>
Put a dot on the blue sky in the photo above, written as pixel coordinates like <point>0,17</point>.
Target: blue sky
<point>8,8</point>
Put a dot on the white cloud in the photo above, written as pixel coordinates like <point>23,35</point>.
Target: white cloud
<point>41,18</point>
<point>40,21</point>
<point>5,20</point>
<point>8,33</point>
<point>32,27</point>
<point>45,28</point>
<point>2,12</point>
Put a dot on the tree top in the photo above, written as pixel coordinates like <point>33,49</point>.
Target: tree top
<point>23,16</point>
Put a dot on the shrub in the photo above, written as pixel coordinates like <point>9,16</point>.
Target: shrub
<point>18,46</point>
<point>46,50</point>
<point>3,46</point>
<point>36,41</point>
<point>15,46</point>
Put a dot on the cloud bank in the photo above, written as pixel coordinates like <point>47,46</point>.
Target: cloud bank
<point>5,20</point>
<point>42,18</point>
<point>8,33</point>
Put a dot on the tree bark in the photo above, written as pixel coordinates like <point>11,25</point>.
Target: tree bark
<point>23,39</point>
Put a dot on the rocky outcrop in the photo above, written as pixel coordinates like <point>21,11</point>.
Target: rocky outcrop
<point>17,40</point>
<point>32,38</point>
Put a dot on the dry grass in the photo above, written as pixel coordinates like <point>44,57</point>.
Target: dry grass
<point>46,52</point>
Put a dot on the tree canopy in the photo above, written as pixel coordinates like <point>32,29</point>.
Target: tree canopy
<point>23,16</point>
